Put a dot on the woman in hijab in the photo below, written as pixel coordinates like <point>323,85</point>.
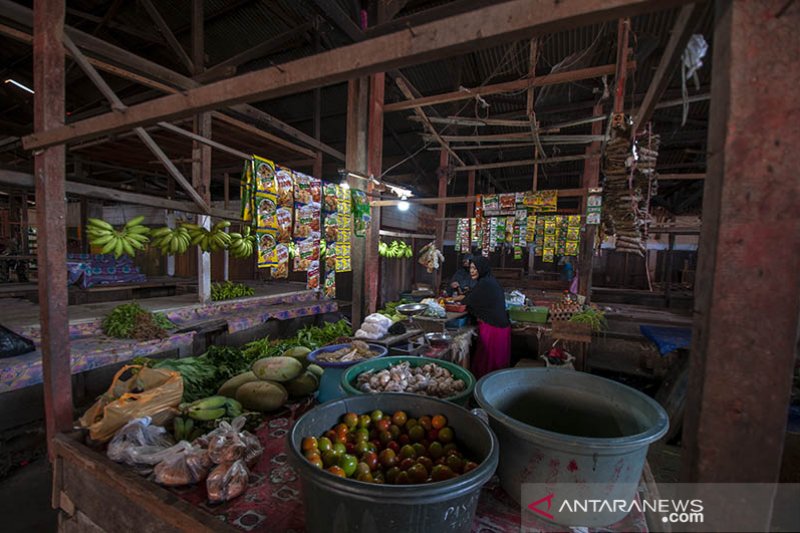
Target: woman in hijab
<point>487,302</point>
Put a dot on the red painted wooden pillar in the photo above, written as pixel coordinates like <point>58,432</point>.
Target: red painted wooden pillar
<point>49,168</point>
<point>374,165</point>
<point>747,296</point>
<point>441,210</point>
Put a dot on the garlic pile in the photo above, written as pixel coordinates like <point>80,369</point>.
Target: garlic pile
<point>427,380</point>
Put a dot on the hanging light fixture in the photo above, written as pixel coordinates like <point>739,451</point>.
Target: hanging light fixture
<point>403,204</point>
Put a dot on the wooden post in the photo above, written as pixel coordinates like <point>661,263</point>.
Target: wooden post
<point>226,258</point>
<point>317,170</point>
<point>747,295</point>
<point>441,210</point>
<point>374,166</point>
<point>51,215</point>
<point>590,179</point>
<point>471,192</point>
<point>623,29</point>
<point>201,155</point>
<point>170,220</point>
<point>356,161</point>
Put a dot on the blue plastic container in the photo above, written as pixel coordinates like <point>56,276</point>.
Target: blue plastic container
<point>330,387</point>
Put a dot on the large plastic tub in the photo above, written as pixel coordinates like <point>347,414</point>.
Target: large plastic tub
<point>587,434</point>
<point>330,384</point>
<point>350,375</point>
<point>337,505</point>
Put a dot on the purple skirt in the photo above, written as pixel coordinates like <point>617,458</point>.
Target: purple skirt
<point>493,351</point>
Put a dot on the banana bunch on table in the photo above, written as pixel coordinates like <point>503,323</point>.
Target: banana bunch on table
<point>129,239</point>
<point>242,244</point>
<point>171,240</point>
<point>209,240</point>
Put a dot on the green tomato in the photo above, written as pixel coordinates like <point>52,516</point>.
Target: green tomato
<point>348,463</point>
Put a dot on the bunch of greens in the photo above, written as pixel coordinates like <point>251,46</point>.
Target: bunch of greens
<point>593,316</point>
<point>312,337</point>
<point>129,321</point>
<point>390,310</point>
<point>229,290</point>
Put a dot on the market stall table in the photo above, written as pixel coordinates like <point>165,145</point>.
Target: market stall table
<point>88,486</point>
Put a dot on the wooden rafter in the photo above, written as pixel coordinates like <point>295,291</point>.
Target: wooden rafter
<point>169,37</point>
<point>509,86</point>
<point>424,118</point>
<point>525,162</point>
<point>145,137</point>
<point>156,76</point>
<point>685,23</point>
<point>493,24</point>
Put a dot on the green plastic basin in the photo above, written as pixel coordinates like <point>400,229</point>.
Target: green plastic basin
<point>351,374</point>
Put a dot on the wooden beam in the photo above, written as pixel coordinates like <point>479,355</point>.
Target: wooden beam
<point>340,19</point>
<point>208,142</point>
<point>157,77</point>
<point>621,73</point>
<point>441,210</point>
<point>525,162</point>
<point>562,193</point>
<point>145,36</point>
<point>253,130</point>
<point>51,216</point>
<point>421,114</point>
<point>509,86</point>
<point>169,37</point>
<point>388,9</point>
<point>261,49</point>
<point>687,176</point>
<point>589,179</point>
<point>145,137</point>
<point>511,137</point>
<point>377,84</point>
<point>687,19</point>
<point>491,25</point>
<point>749,204</point>
<point>25,180</point>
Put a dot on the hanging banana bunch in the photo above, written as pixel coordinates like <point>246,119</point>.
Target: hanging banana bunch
<point>209,240</point>
<point>128,240</point>
<point>242,244</point>
<point>395,250</point>
<point>171,241</point>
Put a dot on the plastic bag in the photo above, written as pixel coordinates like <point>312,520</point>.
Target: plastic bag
<point>253,448</point>
<point>225,445</point>
<point>227,481</point>
<point>139,442</point>
<point>12,344</point>
<point>184,466</point>
<point>381,320</point>
<point>153,392</point>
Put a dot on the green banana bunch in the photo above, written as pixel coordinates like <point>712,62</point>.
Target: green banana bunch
<point>131,238</point>
<point>171,241</point>
<point>212,408</point>
<point>209,240</point>
<point>242,244</point>
<point>228,290</point>
<point>182,428</point>
<point>395,250</point>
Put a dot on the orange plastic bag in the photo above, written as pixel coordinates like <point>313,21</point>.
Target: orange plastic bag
<point>153,392</point>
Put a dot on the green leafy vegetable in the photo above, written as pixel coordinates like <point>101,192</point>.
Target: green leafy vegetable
<point>592,316</point>
<point>128,321</point>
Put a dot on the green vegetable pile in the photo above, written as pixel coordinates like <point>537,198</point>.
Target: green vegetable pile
<point>396,250</point>
<point>312,337</point>
<point>390,310</point>
<point>229,290</point>
<point>592,316</point>
<point>131,321</point>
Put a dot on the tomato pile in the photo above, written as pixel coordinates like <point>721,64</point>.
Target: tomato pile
<point>396,449</point>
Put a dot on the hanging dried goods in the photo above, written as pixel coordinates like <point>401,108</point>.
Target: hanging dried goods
<point>430,257</point>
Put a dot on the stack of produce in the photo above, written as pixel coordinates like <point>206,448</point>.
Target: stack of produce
<point>311,337</point>
<point>209,240</point>
<point>130,321</point>
<point>427,380</point>
<point>242,244</point>
<point>273,380</point>
<point>229,290</point>
<point>172,240</point>
<point>395,250</point>
<point>430,257</point>
<point>396,449</point>
<point>374,327</point>
<point>206,410</point>
<point>130,238</point>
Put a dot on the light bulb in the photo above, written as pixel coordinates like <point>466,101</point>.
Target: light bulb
<point>403,205</point>
<point>344,184</point>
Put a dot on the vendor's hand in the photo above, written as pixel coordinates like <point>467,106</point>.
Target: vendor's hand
<point>457,298</point>
<point>454,285</point>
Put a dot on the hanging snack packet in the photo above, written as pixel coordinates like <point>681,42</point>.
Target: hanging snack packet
<point>312,282</point>
<point>285,185</point>
<point>329,197</point>
<point>329,289</point>
<point>331,227</point>
<point>361,213</point>
<point>306,220</point>
<point>281,270</point>
<point>284,220</point>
